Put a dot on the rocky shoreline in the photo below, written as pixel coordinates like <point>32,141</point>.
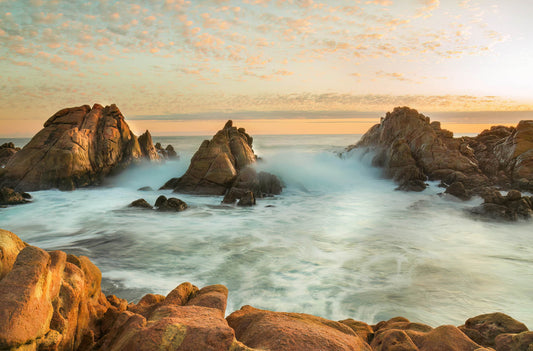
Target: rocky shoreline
<point>53,301</point>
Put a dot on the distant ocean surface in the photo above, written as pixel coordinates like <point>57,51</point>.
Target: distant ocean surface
<point>339,242</point>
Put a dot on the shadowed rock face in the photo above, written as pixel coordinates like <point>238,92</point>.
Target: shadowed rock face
<point>222,165</point>
<point>7,150</point>
<point>411,150</point>
<point>77,147</point>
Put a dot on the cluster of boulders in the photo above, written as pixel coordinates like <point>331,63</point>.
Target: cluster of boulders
<point>161,204</point>
<point>53,301</point>
<point>166,153</point>
<point>224,166</point>
<point>7,150</point>
<point>411,150</point>
<point>77,147</point>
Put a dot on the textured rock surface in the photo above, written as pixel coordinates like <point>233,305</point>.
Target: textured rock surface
<point>411,149</point>
<point>77,147</point>
<point>485,328</point>
<point>510,207</point>
<point>48,300</point>
<point>221,166</point>
<point>267,330</point>
<point>9,196</point>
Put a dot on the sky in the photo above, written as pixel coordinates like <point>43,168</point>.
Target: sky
<point>277,66</point>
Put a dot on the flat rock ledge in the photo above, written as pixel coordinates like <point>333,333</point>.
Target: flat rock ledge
<point>50,300</point>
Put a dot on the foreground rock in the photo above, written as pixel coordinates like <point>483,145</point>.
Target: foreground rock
<point>162,204</point>
<point>7,150</point>
<point>53,301</point>
<point>78,147</point>
<point>224,163</point>
<point>412,150</point>
<point>48,300</point>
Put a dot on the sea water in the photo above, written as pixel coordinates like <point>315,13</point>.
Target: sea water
<point>339,242</point>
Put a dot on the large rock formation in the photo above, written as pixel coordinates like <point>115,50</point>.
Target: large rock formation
<point>411,150</point>
<point>223,163</point>
<point>53,301</point>
<point>77,147</point>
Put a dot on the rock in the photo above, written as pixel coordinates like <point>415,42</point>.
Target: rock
<point>363,330</point>
<point>145,188</point>
<point>247,199</point>
<point>147,147</point>
<point>10,246</point>
<point>48,300</point>
<point>170,205</point>
<point>167,153</point>
<point>248,181</point>
<point>7,150</point>
<point>217,162</point>
<point>186,319</point>
<point>409,148</point>
<point>78,147</point>
<point>141,203</point>
<point>9,196</point>
<point>485,328</point>
<point>514,342</point>
<point>512,207</point>
<point>268,330</point>
<point>458,190</point>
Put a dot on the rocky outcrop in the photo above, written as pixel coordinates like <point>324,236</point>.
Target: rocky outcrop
<point>148,149</point>
<point>48,300</point>
<point>166,153</point>
<point>7,150</point>
<point>9,196</point>
<point>53,301</point>
<point>78,147</point>
<point>222,165</point>
<point>162,204</point>
<point>411,150</point>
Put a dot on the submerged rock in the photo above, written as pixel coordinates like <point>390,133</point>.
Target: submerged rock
<point>511,207</point>
<point>222,166</point>
<point>141,203</point>
<point>78,147</point>
<point>170,205</point>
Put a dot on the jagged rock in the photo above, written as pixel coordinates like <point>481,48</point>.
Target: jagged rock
<point>170,205</point>
<point>48,300</point>
<point>511,207</point>
<point>410,149</point>
<point>485,328</point>
<point>7,150</point>
<point>267,330</point>
<point>147,147</point>
<point>217,162</point>
<point>168,152</point>
<point>77,147</point>
<point>9,196</point>
<point>141,203</point>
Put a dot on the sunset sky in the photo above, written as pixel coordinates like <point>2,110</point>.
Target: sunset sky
<point>303,66</point>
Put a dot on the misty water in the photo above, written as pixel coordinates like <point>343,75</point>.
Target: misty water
<point>339,242</point>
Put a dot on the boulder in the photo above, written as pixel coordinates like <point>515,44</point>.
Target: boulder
<point>267,330</point>
<point>9,196</point>
<point>77,147</point>
<point>249,185</point>
<point>170,205</point>
<point>511,207</point>
<point>485,328</point>
<point>186,319</point>
<point>48,300</point>
<point>7,150</point>
<point>458,190</point>
<point>141,203</point>
<point>514,342</point>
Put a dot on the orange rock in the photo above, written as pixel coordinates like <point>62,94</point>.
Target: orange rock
<point>363,330</point>
<point>10,246</point>
<point>485,328</point>
<point>514,342</point>
<point>292,331</point>
<point>77,147</point>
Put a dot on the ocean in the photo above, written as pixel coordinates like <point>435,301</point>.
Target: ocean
<point>339,242</point>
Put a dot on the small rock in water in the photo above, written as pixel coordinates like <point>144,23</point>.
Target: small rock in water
<point>141,203</point>
<point>145,188</point>
<point>248,199</point>
<point>170,205</point>
<point>9,196</point>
